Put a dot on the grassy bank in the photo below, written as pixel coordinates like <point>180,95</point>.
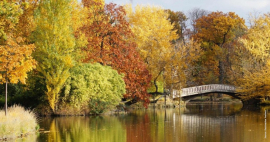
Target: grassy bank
<point>19,122</point>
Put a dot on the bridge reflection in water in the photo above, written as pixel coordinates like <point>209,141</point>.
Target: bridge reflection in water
<point>197,125</point>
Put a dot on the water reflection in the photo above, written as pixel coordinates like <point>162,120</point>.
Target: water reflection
<point>213,109</point>
<point>196,123</point>
<point>83,129</point>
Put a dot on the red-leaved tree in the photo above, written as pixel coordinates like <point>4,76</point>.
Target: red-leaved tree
<point>108,32</point>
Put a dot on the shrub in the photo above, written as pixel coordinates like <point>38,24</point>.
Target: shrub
<point>94,84</point>
<point>18,122</point>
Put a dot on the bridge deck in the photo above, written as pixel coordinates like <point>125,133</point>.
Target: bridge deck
<point>211,88</point>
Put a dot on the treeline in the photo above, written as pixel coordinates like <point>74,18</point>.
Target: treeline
<point>66,57</point>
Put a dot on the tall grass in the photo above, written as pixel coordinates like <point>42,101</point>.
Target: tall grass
<point>17,123</point>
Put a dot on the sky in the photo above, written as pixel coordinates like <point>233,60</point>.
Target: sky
<point>241,7</point>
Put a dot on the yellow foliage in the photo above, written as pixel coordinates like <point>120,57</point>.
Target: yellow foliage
<point>55,42</point>
<point>15,56</point>
<point>153,36</point>
<point>258,40</point>
<point>256,82</point>
<point>153,31</point>
<point>182,63</point>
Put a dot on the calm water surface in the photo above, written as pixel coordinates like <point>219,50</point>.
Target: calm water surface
<point>209,122</point>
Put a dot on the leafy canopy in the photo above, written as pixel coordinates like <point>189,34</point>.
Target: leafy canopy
<point>108,32</point>
<point>94,82</point>
<point>55,41</point>
<point>153,34</point>
<point>257,83</point>
<point>15,55</point>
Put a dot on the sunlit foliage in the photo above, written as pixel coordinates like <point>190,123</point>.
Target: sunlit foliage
<point>94,83</point>
<point>215,31</point>
<point>107,31</point>
<point>15,53</point>
<point>55,44</point>
<point>153,34</point>
<point>256,81</point>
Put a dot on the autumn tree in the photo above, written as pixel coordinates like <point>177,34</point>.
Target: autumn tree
<point>15,55</point>
<point>181,66</point>
<point>178,19</point>
<point>193,15</point>
<point>215,31</point>
<point>255,81</point>
<point>107,31</point>
<point>55,42</point>
<point>153,35</point>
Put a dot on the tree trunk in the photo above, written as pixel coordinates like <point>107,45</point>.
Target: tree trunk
<point>6,100</point>
<point>221,72</point>
<point>221,75</point>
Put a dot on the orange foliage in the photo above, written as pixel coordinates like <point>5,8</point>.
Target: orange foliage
<point>107,31</point>
<point>216,31</point>
<point>16,61</point>
<point>218,27</point>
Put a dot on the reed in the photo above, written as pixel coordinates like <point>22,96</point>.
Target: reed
<point>19,122</point>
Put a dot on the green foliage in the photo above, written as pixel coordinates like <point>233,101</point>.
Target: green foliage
<point>92,84</point>
<point>55,45</point>
<point>97,106</point>
<point>160,86</point>
<point>9,16</point>
<point>85,129</point>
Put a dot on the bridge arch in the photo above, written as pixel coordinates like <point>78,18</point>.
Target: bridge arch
<point>191,92</point>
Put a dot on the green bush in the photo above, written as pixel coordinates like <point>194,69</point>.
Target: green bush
<point>18,122</point>
<point>94,84</point>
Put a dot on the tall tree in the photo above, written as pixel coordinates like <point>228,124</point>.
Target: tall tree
<point>15,55</point>
<point>55,44</point>
<point>217,29</point>
<point>181,66</point>
<point>107,31</point>
<point>178,19</point>
<point>256,81</point>
<point>153,35</point>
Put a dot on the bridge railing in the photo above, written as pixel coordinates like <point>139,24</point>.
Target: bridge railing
<point>203,89</point>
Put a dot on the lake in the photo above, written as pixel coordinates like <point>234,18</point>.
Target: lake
<point>197,122</point>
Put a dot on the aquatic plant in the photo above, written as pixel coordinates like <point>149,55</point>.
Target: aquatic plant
<point>18,122</point>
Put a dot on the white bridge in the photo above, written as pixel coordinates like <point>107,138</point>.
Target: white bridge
<point>204,89</point>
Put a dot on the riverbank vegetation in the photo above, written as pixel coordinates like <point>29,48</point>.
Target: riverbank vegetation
<point>18,123</point>
<point>64,57</point>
